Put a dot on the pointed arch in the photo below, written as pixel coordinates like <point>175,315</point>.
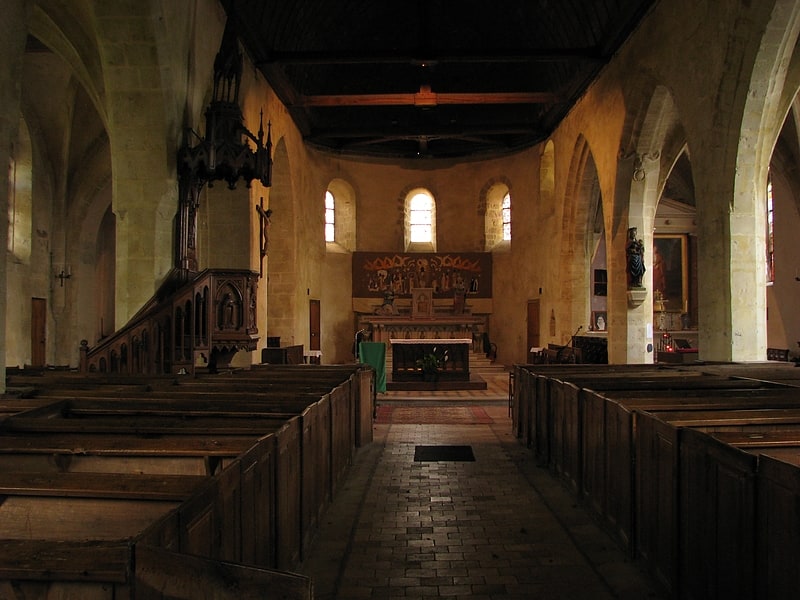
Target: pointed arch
<point>580,204</point>
<point>282,276</point>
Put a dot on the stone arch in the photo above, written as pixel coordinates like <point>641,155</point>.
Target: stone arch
<point>547,174</point>
<point>139,100</point>
<point>408,245</point>
<point>772,88</point>
<point>345,214</point>
<point>582,194</point>
<point>282,276</point>
<point>74,70</point>
<point>68,34</point>
<point>19,260</point>
<point>654,141</point>
<point>490,206</point>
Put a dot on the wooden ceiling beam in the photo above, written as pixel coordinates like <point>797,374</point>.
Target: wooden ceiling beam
<point>275,57</point>
<point>425,97</point>
<point>388,133</point>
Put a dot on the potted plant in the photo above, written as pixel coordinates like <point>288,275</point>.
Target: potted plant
<point>430,365</point>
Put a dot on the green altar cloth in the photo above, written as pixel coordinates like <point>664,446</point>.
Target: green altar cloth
<point>374,355</point>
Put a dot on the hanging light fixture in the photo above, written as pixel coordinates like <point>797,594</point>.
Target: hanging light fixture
<point>225,153</point>
<point>229,151</point>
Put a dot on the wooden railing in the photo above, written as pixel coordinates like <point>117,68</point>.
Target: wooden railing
<point>201,323</point>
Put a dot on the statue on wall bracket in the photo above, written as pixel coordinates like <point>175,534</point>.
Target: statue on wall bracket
<point>634,252</point>
<point>635,255</point>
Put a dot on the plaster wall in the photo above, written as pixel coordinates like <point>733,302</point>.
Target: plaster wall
<point>783,320</point>
<point>380,191</point>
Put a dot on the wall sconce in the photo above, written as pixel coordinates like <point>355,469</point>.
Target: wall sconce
<point>639,172</point>
<point>65,274</point>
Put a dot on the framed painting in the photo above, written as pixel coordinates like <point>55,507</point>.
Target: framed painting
<point>599,320</point>
<point>670,271</point>
<point>421,303</point>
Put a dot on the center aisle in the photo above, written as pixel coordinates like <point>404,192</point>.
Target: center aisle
<point>496,528</point>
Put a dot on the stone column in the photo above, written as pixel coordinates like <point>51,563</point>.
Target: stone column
<point>144,189</point>
<point>13,31</point>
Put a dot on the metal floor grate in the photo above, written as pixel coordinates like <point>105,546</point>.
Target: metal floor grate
<point>443,453</point>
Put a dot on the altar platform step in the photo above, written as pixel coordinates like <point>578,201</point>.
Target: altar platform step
<point>479,366</point>
<point>476,382</point>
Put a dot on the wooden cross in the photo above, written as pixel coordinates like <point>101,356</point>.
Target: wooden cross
<point>263,233</point>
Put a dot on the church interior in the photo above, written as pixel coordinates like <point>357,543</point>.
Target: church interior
<point>209,187</point>
<point>495,126</point>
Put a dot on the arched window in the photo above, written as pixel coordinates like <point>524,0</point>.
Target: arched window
<point>506,217</point>
<point>330,217</point>
<point>770,234</point>
<point>340,217</point>
<point>497,225</point>
<point>420,221</point>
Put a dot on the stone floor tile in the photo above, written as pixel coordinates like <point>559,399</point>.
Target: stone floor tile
<point>498,528</point>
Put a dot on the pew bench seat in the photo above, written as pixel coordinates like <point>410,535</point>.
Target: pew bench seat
<point>173,488</point>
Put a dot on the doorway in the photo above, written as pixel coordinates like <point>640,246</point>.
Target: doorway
<point>38,332</point>
<point>314,345</point>
<point>534,338</point>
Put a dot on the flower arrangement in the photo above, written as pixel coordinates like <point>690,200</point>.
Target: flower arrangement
<point>431,364</point>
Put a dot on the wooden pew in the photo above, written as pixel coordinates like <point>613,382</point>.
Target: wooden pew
<point>530,407</point>
<point>74,532</point>
<point>241,516</point>
<point>558,433</point>
<point>278,495</point>
<point>600,469</point>
<point>684,481</point>
<point>608,425</point>
<point>777,501</point>
<point>285,433</point>
<point>160,573</point>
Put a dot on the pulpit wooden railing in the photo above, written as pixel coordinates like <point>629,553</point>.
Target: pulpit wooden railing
<point>199,324</point>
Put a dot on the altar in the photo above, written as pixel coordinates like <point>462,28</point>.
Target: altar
<point>385,329</point>
<point>451,358</point>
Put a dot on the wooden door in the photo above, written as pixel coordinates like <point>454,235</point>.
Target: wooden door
<point>534,340</point>
<point>38,332</point>
<point>314,327</point>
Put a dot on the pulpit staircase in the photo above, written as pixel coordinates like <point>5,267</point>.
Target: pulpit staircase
<point>196,322</point>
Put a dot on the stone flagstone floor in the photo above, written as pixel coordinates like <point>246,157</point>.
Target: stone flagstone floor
<point>499,528</point>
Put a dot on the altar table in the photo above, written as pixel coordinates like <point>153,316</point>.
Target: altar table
<point>453,356</point>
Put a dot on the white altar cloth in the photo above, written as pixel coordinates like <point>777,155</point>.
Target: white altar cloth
<point>445,341</point>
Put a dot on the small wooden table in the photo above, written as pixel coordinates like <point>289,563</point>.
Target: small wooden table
<point>287,355</point>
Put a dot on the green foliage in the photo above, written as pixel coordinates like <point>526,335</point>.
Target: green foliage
<point>429,363</point>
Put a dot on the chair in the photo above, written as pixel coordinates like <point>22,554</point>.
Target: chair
<point>489,347</point>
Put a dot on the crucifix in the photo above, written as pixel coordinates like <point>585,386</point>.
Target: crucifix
<point>64,275</point>
<point>263,232</point>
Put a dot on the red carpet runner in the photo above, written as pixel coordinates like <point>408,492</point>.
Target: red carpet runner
<point>433,415</point>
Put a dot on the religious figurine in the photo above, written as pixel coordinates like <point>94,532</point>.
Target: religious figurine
<point>459,295</point>
<point>635,254</point>
<point>388,307</point>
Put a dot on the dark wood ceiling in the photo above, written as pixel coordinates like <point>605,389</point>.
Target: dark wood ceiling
<point>431,78</point>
